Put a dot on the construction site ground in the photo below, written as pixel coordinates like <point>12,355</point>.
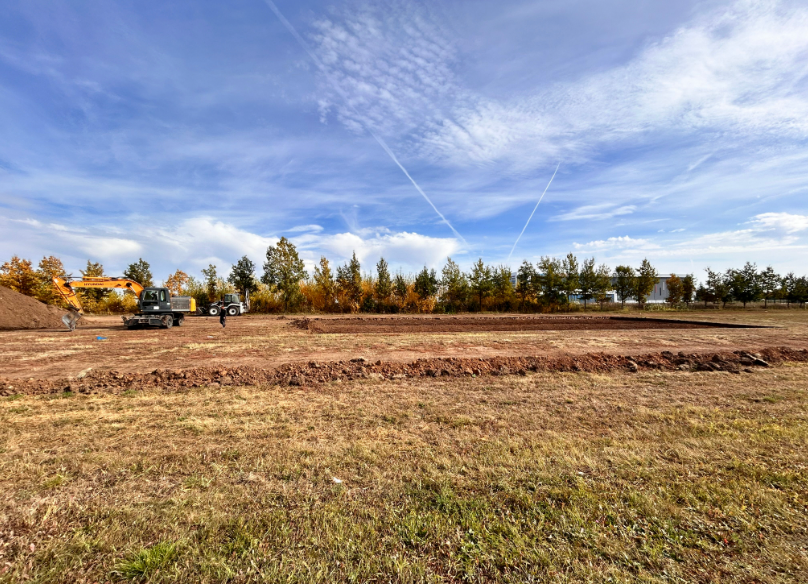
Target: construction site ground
<point>269,341</point>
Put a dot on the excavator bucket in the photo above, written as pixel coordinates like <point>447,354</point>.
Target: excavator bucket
<point>70,319</point>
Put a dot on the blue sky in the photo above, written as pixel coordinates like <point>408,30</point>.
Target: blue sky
<point>190,133</point>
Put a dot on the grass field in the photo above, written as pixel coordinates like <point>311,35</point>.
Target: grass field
<point>545,478</point>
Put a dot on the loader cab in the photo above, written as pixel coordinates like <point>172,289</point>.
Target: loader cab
<point>155,300</point>
<point>231,299</point>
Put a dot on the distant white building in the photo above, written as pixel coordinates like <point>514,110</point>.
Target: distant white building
<point>658,295</point>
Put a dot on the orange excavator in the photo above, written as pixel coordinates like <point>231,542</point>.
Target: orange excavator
<point>156,306</point>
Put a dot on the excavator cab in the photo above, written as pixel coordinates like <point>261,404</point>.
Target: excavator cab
<point>155,300</point>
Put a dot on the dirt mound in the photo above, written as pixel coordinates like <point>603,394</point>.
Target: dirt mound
<point>18,311</point>
<point>459,324</point>
<point>313,372</point>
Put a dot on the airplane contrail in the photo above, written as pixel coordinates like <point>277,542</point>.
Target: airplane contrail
<point>347,101</point>
<point>534,211</point>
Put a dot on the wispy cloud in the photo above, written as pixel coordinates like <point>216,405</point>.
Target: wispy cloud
<point>620,242</point>
<point>595,212</point>
<point>738,70</point>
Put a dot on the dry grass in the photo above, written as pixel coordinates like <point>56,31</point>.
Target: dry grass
<point>544,478</point>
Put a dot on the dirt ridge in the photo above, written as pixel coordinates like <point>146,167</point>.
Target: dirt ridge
<point>315,373</point>
<point>438,324</point>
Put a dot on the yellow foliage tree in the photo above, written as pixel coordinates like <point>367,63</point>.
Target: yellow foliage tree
<point>176,282</point>
<point>48,268</point>
<point>19,275</point>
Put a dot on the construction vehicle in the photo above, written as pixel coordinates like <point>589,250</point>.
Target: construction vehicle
<point>156,306</point>
<point>231,304</point>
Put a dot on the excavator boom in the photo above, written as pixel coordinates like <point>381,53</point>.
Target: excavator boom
<point>65,287</point>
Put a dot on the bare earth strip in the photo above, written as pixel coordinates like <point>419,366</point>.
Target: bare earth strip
<point>268,341</point>
<point>466,324</point>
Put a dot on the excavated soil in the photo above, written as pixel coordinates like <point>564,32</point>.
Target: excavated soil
<point>313,372</point>
<point>459,324</point>
<point>18,312</point>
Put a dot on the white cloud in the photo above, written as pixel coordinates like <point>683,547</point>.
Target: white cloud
<point>407,249</point>
<point>785,222</point>
<point>767,233</point>
<point>200,240</point>
<point>595,212</point>
<point>192,243</point>
<point>620,242</point>
<point>197,241</point>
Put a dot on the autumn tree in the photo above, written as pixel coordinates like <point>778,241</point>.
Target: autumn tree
<point>49,268</point>
<point>745,283</point>
<point>502,287</point>
<point>526,280</point>
<point>284,270</point>
<point>19,275</point>
<point>324,283</point>
<point>426,284</point>
<point>588,280</point>
<point>176,282</point>
<point>551,280</point>
<point>455,285</point>
<point>769,285</point>
<point>140,271</point>
<point>717,288</point>
<point>210,281</point>
<point>480,281</point>
<point>384,284</point>
<point>647,278</point>
<point>688,289</point>
<point>569,267</point>
<point>675,290</point>
<point>400,288</point>
<point>624,285</point>
<point>795,289</point>
<point>603,283</point>
<point>242,276</point>
<point>349,282</point>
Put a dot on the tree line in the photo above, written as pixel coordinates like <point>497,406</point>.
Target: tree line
<point>551,284</point>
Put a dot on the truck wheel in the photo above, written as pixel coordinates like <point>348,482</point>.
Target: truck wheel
<point>213,311</point>
<point>179,321</point>
<point>232,311</point>
<point>168,321</point>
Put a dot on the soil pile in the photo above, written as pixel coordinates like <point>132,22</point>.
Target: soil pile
<point>459,324</point>
<point>18,311</point>
<point>313,372</point>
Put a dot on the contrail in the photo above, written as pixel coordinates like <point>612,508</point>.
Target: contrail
<point>347,101</point>
<point>534,210</point>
